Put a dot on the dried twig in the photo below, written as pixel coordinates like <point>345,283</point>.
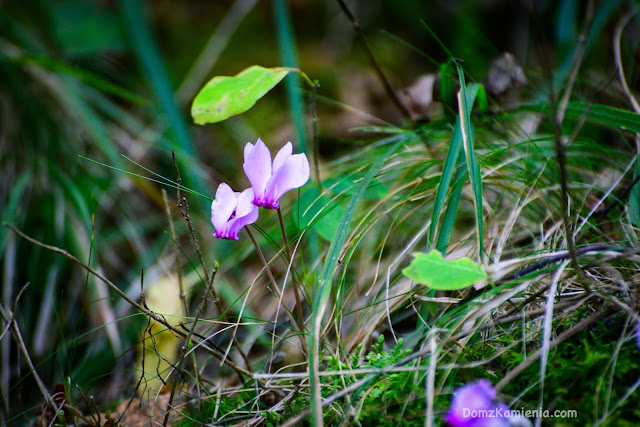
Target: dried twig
<point>383,79</point>
<point>183,206</point>
<point>174,238</point>
<point>558,114</point>
<point>133,303</point>
<point>9,317</point>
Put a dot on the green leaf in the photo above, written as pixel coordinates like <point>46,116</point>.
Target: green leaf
<point>434,271</point>
<point>223,96</point>
<point>319,211</point>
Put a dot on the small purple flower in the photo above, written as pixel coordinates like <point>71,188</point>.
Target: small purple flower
<point>638,333</point>
<point>271,180</point>
<point>231,211</point>
<point>475,405</point>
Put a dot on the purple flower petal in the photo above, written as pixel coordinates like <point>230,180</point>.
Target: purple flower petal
<point>231,211</point>
<point>285,152</point>
<point>223,206</point>
<point>638,333</point>
<point>246,213</point>
<point>257,166</point>
<point>271,181</point>
<point>294,173</point>
<point>475,404</point>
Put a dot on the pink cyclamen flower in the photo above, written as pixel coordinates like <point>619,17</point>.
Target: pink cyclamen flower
<point>271,180</point>
<point>231,211</point>
<point>475,405</point>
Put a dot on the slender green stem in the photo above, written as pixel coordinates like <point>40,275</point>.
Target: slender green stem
<point>295,282</point>
<point>314,134</point>
<point>292,319</point>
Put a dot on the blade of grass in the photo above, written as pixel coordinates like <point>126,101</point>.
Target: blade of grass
<point>597,113</point>
<point>601,18</point>
<point>150,59</point>
<point>468,136</point>
<point>445,180</point>
<point>11,209</point>
<point>289,58</point>
<point>448,170</point>
<point>212,50</point>
<point>166,181</point>
<point>452,206</point>
<point>446,89</point>
<point>92,79</point>
<point>326,281</point>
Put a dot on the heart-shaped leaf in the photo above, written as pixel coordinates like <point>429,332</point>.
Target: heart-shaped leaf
<point>224,96</point>
<point>434,271</point>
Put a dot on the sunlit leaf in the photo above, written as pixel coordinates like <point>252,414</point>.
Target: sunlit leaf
<point>434,271</point>
<point>223,96</point>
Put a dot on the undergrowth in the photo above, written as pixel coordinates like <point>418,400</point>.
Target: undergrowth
<point>121,306</point>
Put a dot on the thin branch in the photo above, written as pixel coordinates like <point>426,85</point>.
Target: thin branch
<point>558,113</point>
<point>124,296</point>
<point>183,206</point>
<point>383,79</point>
<point>9,317</point>
<point>172,230</point>
<point>91,406</point>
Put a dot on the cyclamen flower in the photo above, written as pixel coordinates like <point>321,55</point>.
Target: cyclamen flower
<point>475,405</point>
<point>271,180</point>
<point>231,211</point>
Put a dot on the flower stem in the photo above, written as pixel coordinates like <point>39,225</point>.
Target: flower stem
<point>293,276</point>
<point>292,319</point>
